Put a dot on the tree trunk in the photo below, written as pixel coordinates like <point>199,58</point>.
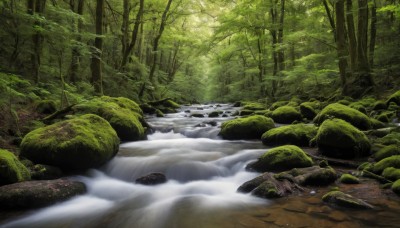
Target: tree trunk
<point>341,43</point>
<point>372,39</point>
<point>95,66</point>
<point>351,32</point>
<point>281,54</point>
<point>76,55</point>
<point>330,17</point>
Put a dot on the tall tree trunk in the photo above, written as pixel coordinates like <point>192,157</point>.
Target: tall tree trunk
<point>95,66</point>
<point>372,39</point>
<point>281,54</point>
<point>135,32</point>
<point>351,32</point>
<point>76,55</point>
<point>363,69</point>
<point>341,43</point>
<point>275,55</point>
<point>330,18</point>
<point>157,39</point>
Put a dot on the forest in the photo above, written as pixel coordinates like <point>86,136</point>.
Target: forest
<point>327,72</point>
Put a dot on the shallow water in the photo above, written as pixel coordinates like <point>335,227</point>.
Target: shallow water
<point>203,174</point>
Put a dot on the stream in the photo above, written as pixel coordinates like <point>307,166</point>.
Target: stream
<point>203,173</point>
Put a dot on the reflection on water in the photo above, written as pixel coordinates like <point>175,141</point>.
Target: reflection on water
<point>203,175</point>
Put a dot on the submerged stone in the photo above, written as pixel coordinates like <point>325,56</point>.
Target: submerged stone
<point>340,199</point>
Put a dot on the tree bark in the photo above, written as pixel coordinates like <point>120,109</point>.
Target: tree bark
<point>372,39</point>
<point>351,32</point>
<point>95,66</point>
<point>76,55</point>
<point>281,54</point>
<point>341,43</point>
<point>330,18</point>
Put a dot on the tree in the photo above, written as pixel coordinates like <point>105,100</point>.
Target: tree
<point>97,79</point>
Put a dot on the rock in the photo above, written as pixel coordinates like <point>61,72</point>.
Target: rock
<point>34,194</point>
<point>152,179</point>
<point>246,112</point>
<point>395,97</point>
<point>253,106</point>
<point>278,104</point>
<point>349,179</point>
<point>197,115</point>
<point>45,172</point>
<point>391,173</point>
<point>350,115</point>
<point>80,143</point>
<point>46,107</point>
<point>339,139</point>
<point>251,127</point>
<point>340,199</point>
<point>237,104</point>
<point>11,169</point>
<point>124,115</point>
<point>159,113</point>
<point>213,114</point>
<point>391,138</point>
<point>281,158</point>
<point>296,134</point>
<point>392,161</point>
<point>396,187</point>
<point>376,124</point>
<point>387,151</point>
<point>386,116</point>
<point>146,108</point>
<point>307,109</point>
<point>379,105</point>
<point>314,176</point>
<point>286,115</point>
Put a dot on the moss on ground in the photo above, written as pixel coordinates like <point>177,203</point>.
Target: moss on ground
<point>349,179</point>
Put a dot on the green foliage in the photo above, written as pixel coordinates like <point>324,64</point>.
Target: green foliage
<point>297,134</point>
<point>251,127</point>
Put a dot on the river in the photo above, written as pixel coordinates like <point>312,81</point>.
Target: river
<point>203,173</point>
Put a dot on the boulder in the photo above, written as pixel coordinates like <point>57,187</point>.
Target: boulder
<point>11,169</point>
<point>251,127</point>
<point>349,179</point>
<point>314,176</point>
<point>35,194</point>
<point>197,115</point>
<point>396,187</point>
<point>214,114</point>
<point>308,109</point>
<point>286,115</point>
<point>253,106</point>
<point>339,139</point>
<point>392,161</point>
<point>152,179</point>
<point>80,143</point>
<point>340,199</point>
<point>124,115</point>
<point>296,134</point>
<point>350,115</point>
<point>45,172</point>
<point>379,105</point>
<point>395,97</point>
<point>281,158</point>
<point>391,173</point>
<point>46,107</point>
<point>387,151</point>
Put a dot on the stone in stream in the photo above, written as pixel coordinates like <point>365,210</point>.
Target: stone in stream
<point>295,134</point>
<point>80,143</point>
<point>286,115</point>
<point>251,127</point>
<point>340,199</point>
<point>152,179</point>
<point>11,169</point>
<point>35,194</point>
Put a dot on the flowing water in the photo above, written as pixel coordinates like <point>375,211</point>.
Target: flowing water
<point>203,174</point>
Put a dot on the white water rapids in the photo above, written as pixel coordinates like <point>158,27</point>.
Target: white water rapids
<point>203,174</point>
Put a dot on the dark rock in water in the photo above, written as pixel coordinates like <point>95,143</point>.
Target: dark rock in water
<point>197,115</point>
<point>200,125</point>
<point>187,111</point>
<point>340,199</point>
<point>218,105</point>
<point>237,104</point>
<point>213,114</point>
<point>35,194</point>
<point>200,108</point>
<point>152,179</point>
<point>45,172</point>
<point>212,123</point>
<point>224,115</point>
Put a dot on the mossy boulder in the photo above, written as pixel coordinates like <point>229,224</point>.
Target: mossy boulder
<point>392,161</point>
<point>349,179</point>
<point>376,124</point>
<point>296,134</point>
<point>308,110</point>
<point>340,199</point>
<point>386,116</point>
<point>278,104</point>
<point>396,187</point>
<point>246,112</point>
<point>387,151</point>
<point>45,172</point>
<point>379,105</point>
<point>309,176</point>
<point>358,106</point>
<point>391,138</point>
<point>214,114</point>
<point>395,97</point>
<point>35,194</point>
<point>286,115</point>
<point>282,158</point>
<point>80,143</point>
<point>337,138</point>
<point>391,173</point>
<point>11,169</point>
<point>356,118</point>
<point>124,115</point>
<point>46,107</point>
<point>253,106</point>
<point>251,127</point>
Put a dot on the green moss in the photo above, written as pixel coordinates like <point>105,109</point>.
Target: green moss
<point>344,102</point>
<point>253,106</point>
<point>337,198</point>
<point>308,109</point>
<point>349,179</point>
<point>356,118</point>
<point>11,169</point>
<point>286,115</point>
<point>396,187</point>
<point>124,115</point>
<point>386,116</point>
<point>387,151</point>
<point>391,138</point>
<point>278,104</point>
<point>337,138</point>
<point>171,104</point>
<point>159,113</point>
<point>376,124</point>
<point>358,106</point>
<point>392,161</point>
<point>391,173</point>
<point>46,107</point>
<point>297,134</point>
<point>395,97</point>
<point>267,190</point>
<point>282,158</point>
<point>79,143</point>
<point>251,127</point>
<point>365,166</point>
<point>393,107</point>
<point>246,112</point>
<point>379,105</point>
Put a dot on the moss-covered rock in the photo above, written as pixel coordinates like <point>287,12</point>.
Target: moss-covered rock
<point>296,134</point>
<point>246,112</point>
<point>286,114</point>
<point>386,116</point>
<point>79,143</point>
<point>387,151</point>
<point>391,138</point>
<point>309,176</point>
<point>159,113</point>
<point>358,106</point>
<point>253,106</point>
<point>356,118</point>
<point>124,115</point>
<point>395,97</point>
<point>396,187</point>
<point>214,114</point>
<point>379,105</point>
<point>278,104</point>
<point>308,110</point>
<point>11,169</point>
<point>251,127</point>
<point>34,194</point>
<point>340,199</point>
<point>46,107</point>
<point>349,179</point>
<point>392,161</point>
<point>376,124</point>
<point>45,172</point>
<point>391,173</point>
<point>282,158</point>
<point>337,138</point>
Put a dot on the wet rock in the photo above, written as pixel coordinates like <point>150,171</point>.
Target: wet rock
<point>251,127</point>
<point>286,115</point>
<point>349,179</point>
<point>35,194</point>
<point>296,134</point>
<point>45,172</point>
<point>213,114</point>
<point>314,176</point>
<point>197,115</point>
<point>340,199</point>
<point>152,179</point>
